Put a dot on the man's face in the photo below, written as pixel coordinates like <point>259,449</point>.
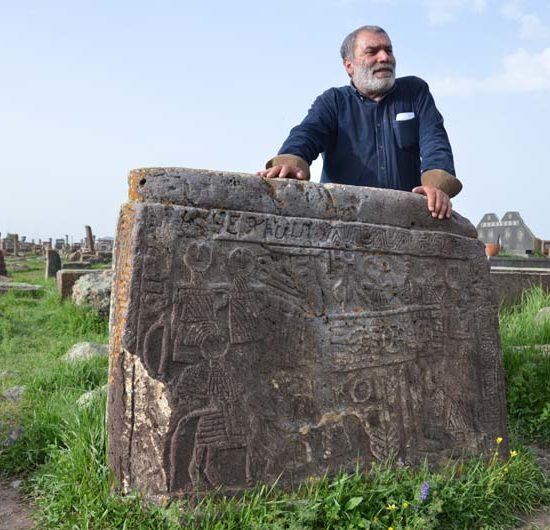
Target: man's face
<point>372,68</point>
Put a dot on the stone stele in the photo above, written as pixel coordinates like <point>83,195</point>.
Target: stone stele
<point>273,330</point>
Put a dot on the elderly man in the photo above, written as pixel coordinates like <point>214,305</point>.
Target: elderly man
<point>379,131</point>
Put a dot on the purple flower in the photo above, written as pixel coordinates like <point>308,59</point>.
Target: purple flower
<point>424,491</point>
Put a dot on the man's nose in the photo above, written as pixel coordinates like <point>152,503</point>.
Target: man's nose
<point>384,57</point>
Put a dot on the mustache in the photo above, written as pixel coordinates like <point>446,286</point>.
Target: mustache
<point>384,67</point>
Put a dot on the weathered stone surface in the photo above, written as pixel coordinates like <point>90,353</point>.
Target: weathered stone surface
<point>86,350</point>
<point>53,263</point>
<point>269,330</point>
<point>94,290</point>
<point>66,278</point>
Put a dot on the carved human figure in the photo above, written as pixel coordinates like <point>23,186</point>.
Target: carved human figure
<point>217,420</point>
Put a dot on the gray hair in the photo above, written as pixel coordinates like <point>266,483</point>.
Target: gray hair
<point>348,46</point>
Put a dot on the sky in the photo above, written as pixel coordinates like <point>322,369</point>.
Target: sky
<point>91,89</point>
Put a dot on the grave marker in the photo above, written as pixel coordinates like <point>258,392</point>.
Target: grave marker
<point>271,330</point>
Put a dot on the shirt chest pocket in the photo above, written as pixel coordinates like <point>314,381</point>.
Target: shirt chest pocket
<point>406,133</point>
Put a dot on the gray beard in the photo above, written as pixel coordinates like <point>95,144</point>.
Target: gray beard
<point>365,81</point>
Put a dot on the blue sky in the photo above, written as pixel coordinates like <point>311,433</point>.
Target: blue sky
<point>91,89</point>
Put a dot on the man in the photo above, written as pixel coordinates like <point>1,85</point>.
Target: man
<point>379,131</point>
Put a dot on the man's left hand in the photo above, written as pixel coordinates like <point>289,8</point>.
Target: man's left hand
<point>438,201</point>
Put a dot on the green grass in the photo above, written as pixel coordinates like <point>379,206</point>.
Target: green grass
<point>63,450</point>
<point>35,331</point>
<point>527,369</point>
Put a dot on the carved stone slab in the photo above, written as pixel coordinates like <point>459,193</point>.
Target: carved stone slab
<point>269,330</point>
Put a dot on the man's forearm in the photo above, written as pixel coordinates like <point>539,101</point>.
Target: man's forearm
<point>289,160</point>
<point>442,180</point>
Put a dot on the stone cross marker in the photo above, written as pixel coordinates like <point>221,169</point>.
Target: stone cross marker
<point>53,263</point>
<point>270,330</point>
<point>90,246</point>
<point>3,270</point>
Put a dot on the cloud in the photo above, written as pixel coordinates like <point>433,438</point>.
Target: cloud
<point>521,72</point>
<point>530,26</point>
<point>444,11</point>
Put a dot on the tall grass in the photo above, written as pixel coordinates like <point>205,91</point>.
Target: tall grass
<point>35,331</point>
<point>527,368</point>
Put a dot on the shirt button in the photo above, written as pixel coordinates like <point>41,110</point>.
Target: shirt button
<point>381,147</point>
<point>378,125</point>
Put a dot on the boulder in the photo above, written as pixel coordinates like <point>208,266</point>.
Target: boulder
<point>86,350</point>
<point>94,290</point>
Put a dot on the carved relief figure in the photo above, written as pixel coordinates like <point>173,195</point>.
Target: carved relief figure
<point>216,421</point>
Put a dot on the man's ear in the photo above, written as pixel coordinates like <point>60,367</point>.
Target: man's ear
<point>348,65</point>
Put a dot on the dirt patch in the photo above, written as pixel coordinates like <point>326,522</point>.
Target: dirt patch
<point>15,512</point>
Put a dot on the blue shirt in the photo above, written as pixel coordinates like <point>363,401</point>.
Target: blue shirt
<point>362,142</point>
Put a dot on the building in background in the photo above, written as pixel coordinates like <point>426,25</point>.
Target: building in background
<point>512,232</point>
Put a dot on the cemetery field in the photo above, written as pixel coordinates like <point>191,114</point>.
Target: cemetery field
<point>59,447</point>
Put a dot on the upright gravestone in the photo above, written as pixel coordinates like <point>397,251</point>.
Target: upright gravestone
<point>15,244</point>
<point>271,330</point>
<point>90,246</point>
<point>53,263</point>
<point>3,270</point>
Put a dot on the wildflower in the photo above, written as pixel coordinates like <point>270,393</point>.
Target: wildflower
<point>391,507</point>
<point>499,440</point>
<point>424,491</point>
<point>390,527</point>
<point>405,505</point>
<point>513,454</point>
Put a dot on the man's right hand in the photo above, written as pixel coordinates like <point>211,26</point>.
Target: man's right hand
<point>283,172</point>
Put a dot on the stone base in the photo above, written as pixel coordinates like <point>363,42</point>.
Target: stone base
<point>66,278</point>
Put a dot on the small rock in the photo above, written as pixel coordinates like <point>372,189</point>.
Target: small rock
<point>89,397</point>
<point>16,484</point>
<point>86,350</point>
<point>13,393</point>
<point>13,436</point>
<point>543,316</point>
